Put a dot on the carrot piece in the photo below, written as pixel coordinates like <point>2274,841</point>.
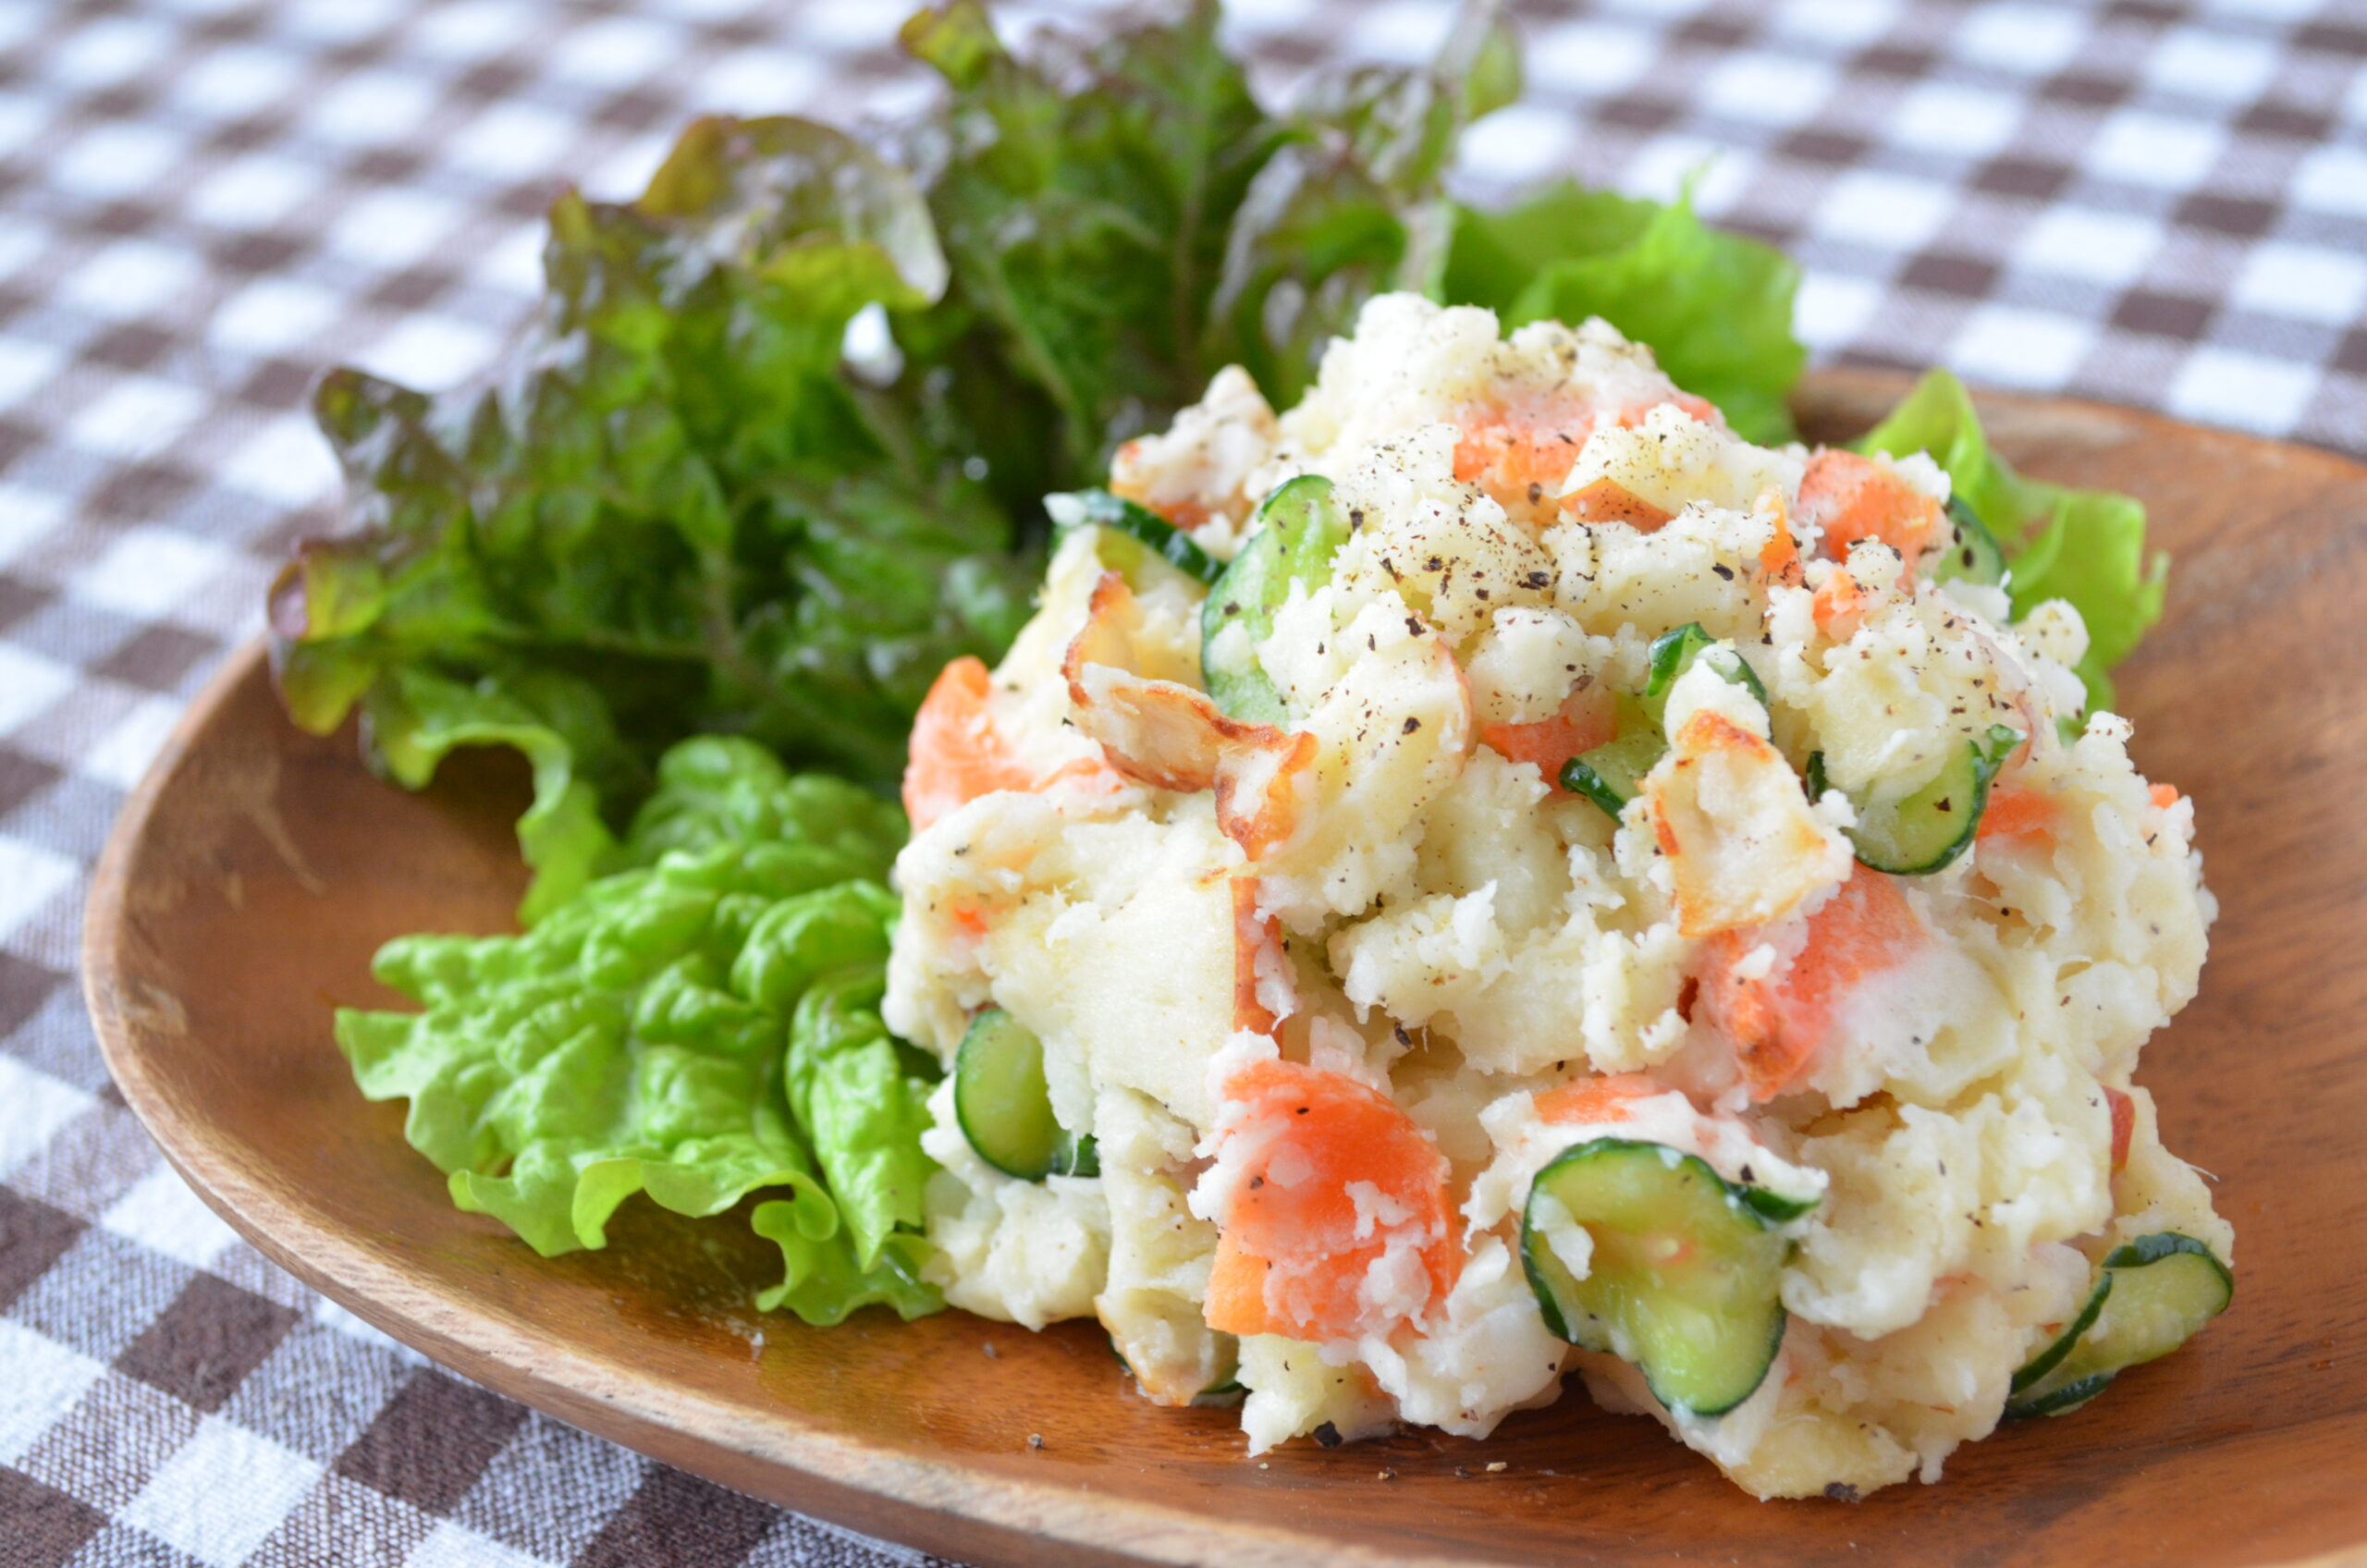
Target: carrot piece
<point>1607,500</point>
<point>1253,939</point>
<point>1520,460</point>
<point>1853,498</point>
<point>1588,718</point>
<point>955,755</point>
<point>1779,1023</point>
<point>2017,811</point>
<point>1779,558</point>
<point>1839,606</point>
<point>2165,795</point>
<point>1594,1099</point>
<point>2124,1126</point>
<point>1339,1180</point>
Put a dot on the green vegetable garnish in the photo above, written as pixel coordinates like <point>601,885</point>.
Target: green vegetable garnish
<point>670,510</point>
<point>698,1027</point>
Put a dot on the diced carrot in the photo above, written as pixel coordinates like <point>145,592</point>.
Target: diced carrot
<point>1779,1023</point>
<point>1521,457</point>
<point>1253,939</point>
<point>1839,608</point>
<point>2017,811</point>
<point>1339,1177</point>
<point>2165,795</point>
<point>1595,1100</point>
<point>1520,460</point>
<point>1700,410</point>
<point>1588,718</point>
<point>1779,558</point>
<point>956,757</point>
<point>2124,1126</point>
<point>1607,500</point>
<point>1853,498</point>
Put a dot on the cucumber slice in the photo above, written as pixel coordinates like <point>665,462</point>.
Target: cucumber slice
<point>1673,653</point>
<point>1931,828</point>
<point>1683,1282</point>
<point>1973,555</point>
<point>1005,1109</point>
<point>1139,523</point>
<point>2151,1296</point>
<point>1608,775</point>
<point>1292,538</point>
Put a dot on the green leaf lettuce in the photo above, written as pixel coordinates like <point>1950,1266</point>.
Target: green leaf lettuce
<point>698,1026</point>
<point>672,509</point>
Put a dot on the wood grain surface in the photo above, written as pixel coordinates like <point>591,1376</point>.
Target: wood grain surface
<point>255,871</point>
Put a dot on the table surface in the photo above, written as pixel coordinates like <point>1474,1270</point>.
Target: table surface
<point>204,201</point>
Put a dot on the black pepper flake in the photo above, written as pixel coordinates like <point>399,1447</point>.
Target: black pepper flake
<point>1403,1037</point>
<point>1327,1436</point>
<point>1944,803</point>
<point>1413,626</point>
<point>1539,579</point>
<point>1258,1182</point>
<point>1433,564</point>
<point>1723,569</point>
<point>1535,493</point>
<point>1841,1491</point>
<point>1355,517</point>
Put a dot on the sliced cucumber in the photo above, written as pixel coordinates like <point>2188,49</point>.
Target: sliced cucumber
<point>1137,522</point>
<point>1292,538</point>
<point>1609,775</point>
<point>1931,828</point>
<point>1973,554</point>
<point>1685,1273</point>
<point>2151,1296</point>
<point>1004,1106</point>
<point>1673,653</point>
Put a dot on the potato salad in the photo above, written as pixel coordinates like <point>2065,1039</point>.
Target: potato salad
<point>1487,875</point>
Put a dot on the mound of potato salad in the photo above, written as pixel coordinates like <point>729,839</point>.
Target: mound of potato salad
<point>1486,874</point>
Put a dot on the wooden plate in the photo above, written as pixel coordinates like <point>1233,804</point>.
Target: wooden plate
<point>256,869</point>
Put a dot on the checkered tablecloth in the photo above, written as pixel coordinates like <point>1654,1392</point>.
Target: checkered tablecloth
<point>202,202</point>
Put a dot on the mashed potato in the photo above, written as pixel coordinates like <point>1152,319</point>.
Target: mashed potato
<point>1331,991</point>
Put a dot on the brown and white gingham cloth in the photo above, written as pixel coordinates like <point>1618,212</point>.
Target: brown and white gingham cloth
<point>201,202</point>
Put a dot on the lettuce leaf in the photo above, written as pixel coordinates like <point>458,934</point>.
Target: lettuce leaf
<point>672,509</point>
<point>1352,201</point>
<point>1084,194</point>
<point>1716,308</point>
<point>697,1026</point>
<point>2087,546</point>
